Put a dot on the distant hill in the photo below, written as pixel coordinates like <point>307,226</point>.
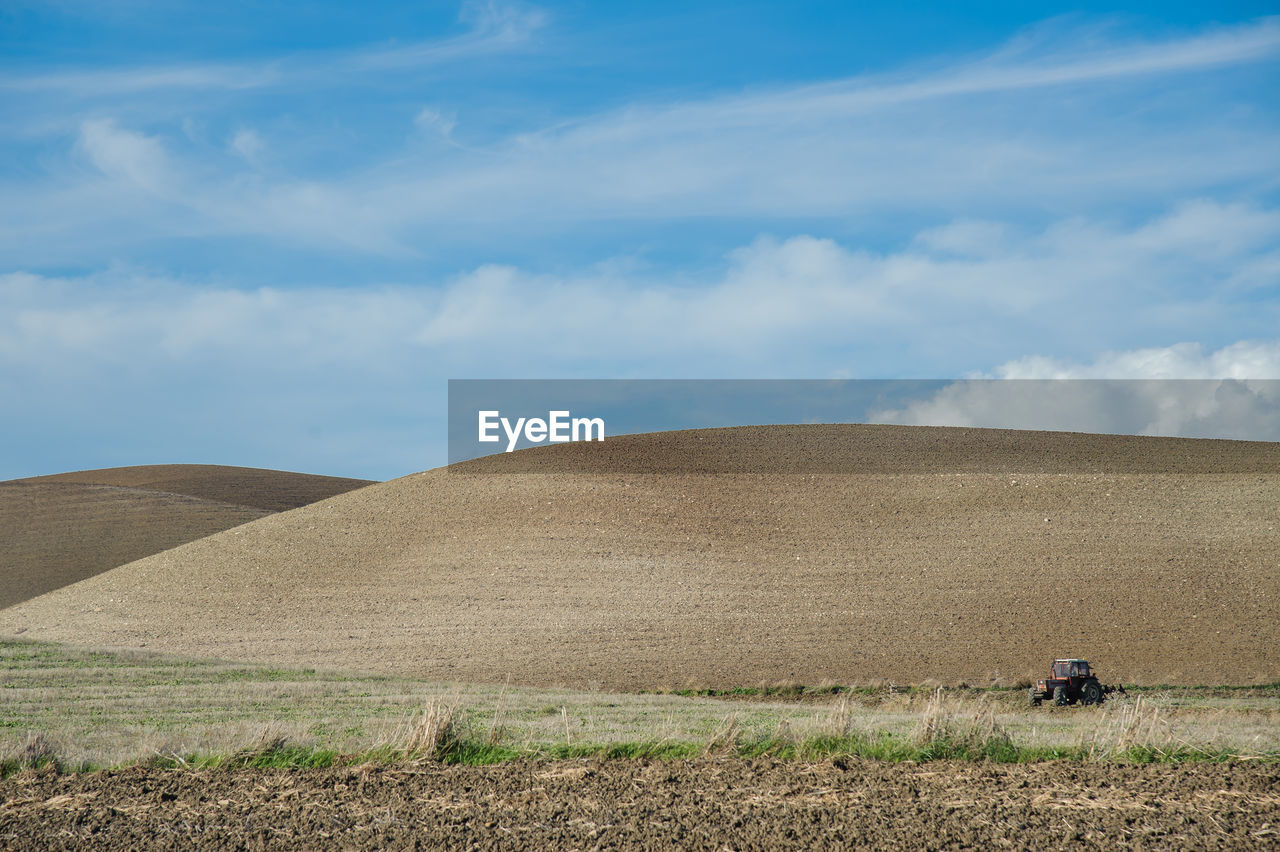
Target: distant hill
<point>978,556</point>
<point>252,487</point>
<point>60,529</point>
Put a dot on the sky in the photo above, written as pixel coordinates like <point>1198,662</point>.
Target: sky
<point>269,234</point>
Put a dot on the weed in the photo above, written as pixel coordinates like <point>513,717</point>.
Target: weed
<point>433,733</point>
<point>38,752</point>
<point>724,739</point>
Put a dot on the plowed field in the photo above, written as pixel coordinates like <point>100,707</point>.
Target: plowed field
<point>706,804</point>
<point>60,529</point>
<point>952,571</point>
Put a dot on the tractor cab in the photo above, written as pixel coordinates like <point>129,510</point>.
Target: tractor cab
<point>1070,669</point>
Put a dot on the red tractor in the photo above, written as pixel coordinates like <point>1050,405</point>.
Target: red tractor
<point>1070,681</point>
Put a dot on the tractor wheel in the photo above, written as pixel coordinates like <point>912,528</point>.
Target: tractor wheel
<point>1060,696</point>
<point>1091,693</point>
<point>1033,697</point>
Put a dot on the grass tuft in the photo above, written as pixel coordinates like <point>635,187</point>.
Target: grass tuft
<point>433,733</point>
<point>37,753</point>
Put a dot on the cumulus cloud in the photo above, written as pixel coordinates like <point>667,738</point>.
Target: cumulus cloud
<point>966,295</point>
<point>989,290</point>
<point>1247,359</point>
<point>1179,391</point>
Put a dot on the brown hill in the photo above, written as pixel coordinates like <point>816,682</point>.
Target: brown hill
<point>61,529</point>
<point>251,487</point>
<point>955,570</point>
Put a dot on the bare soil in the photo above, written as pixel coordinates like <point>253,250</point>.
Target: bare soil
<point>703,804</point>
<point>949,572</point>
<point>270,490</point>
<point>60,529</point>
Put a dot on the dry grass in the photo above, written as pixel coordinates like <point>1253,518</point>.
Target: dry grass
<point>79,707</point>
<point>957,720</point>
<point>1140,724</point>
<point>725,738</point>
<point>430,733</point>
<point>840,718</point>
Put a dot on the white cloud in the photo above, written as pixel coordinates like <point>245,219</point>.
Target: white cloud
<point>435,122</point>
<point>248,145</point>
<point>1049,60</point>
<point>1178,391</point>
<point>495,27</point>
<point>134,159</point>
<point>139,169</point>
<point>205,361</point>
<point>138,321</point>
<point>142,80</point>
<point>1049,126</point>
<point>966,295</point>
<point>489,16</point>
<point>1076,285</point>
<point>975,132</point>
<point>1247,359</point>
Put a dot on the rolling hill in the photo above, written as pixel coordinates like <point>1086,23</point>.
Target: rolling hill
<point>63,528</point>
<point>978,556</point>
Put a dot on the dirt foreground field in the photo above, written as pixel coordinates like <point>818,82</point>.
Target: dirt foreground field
<point>703,804</point>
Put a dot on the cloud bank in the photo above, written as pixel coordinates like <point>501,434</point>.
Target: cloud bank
<point>1173,391</point>
<point>306,358</point>
<point>995,287</point>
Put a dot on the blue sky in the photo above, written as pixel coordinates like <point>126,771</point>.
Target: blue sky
<point>248,234</point>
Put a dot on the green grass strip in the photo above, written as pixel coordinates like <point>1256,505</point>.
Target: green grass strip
<point>881,747</point>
